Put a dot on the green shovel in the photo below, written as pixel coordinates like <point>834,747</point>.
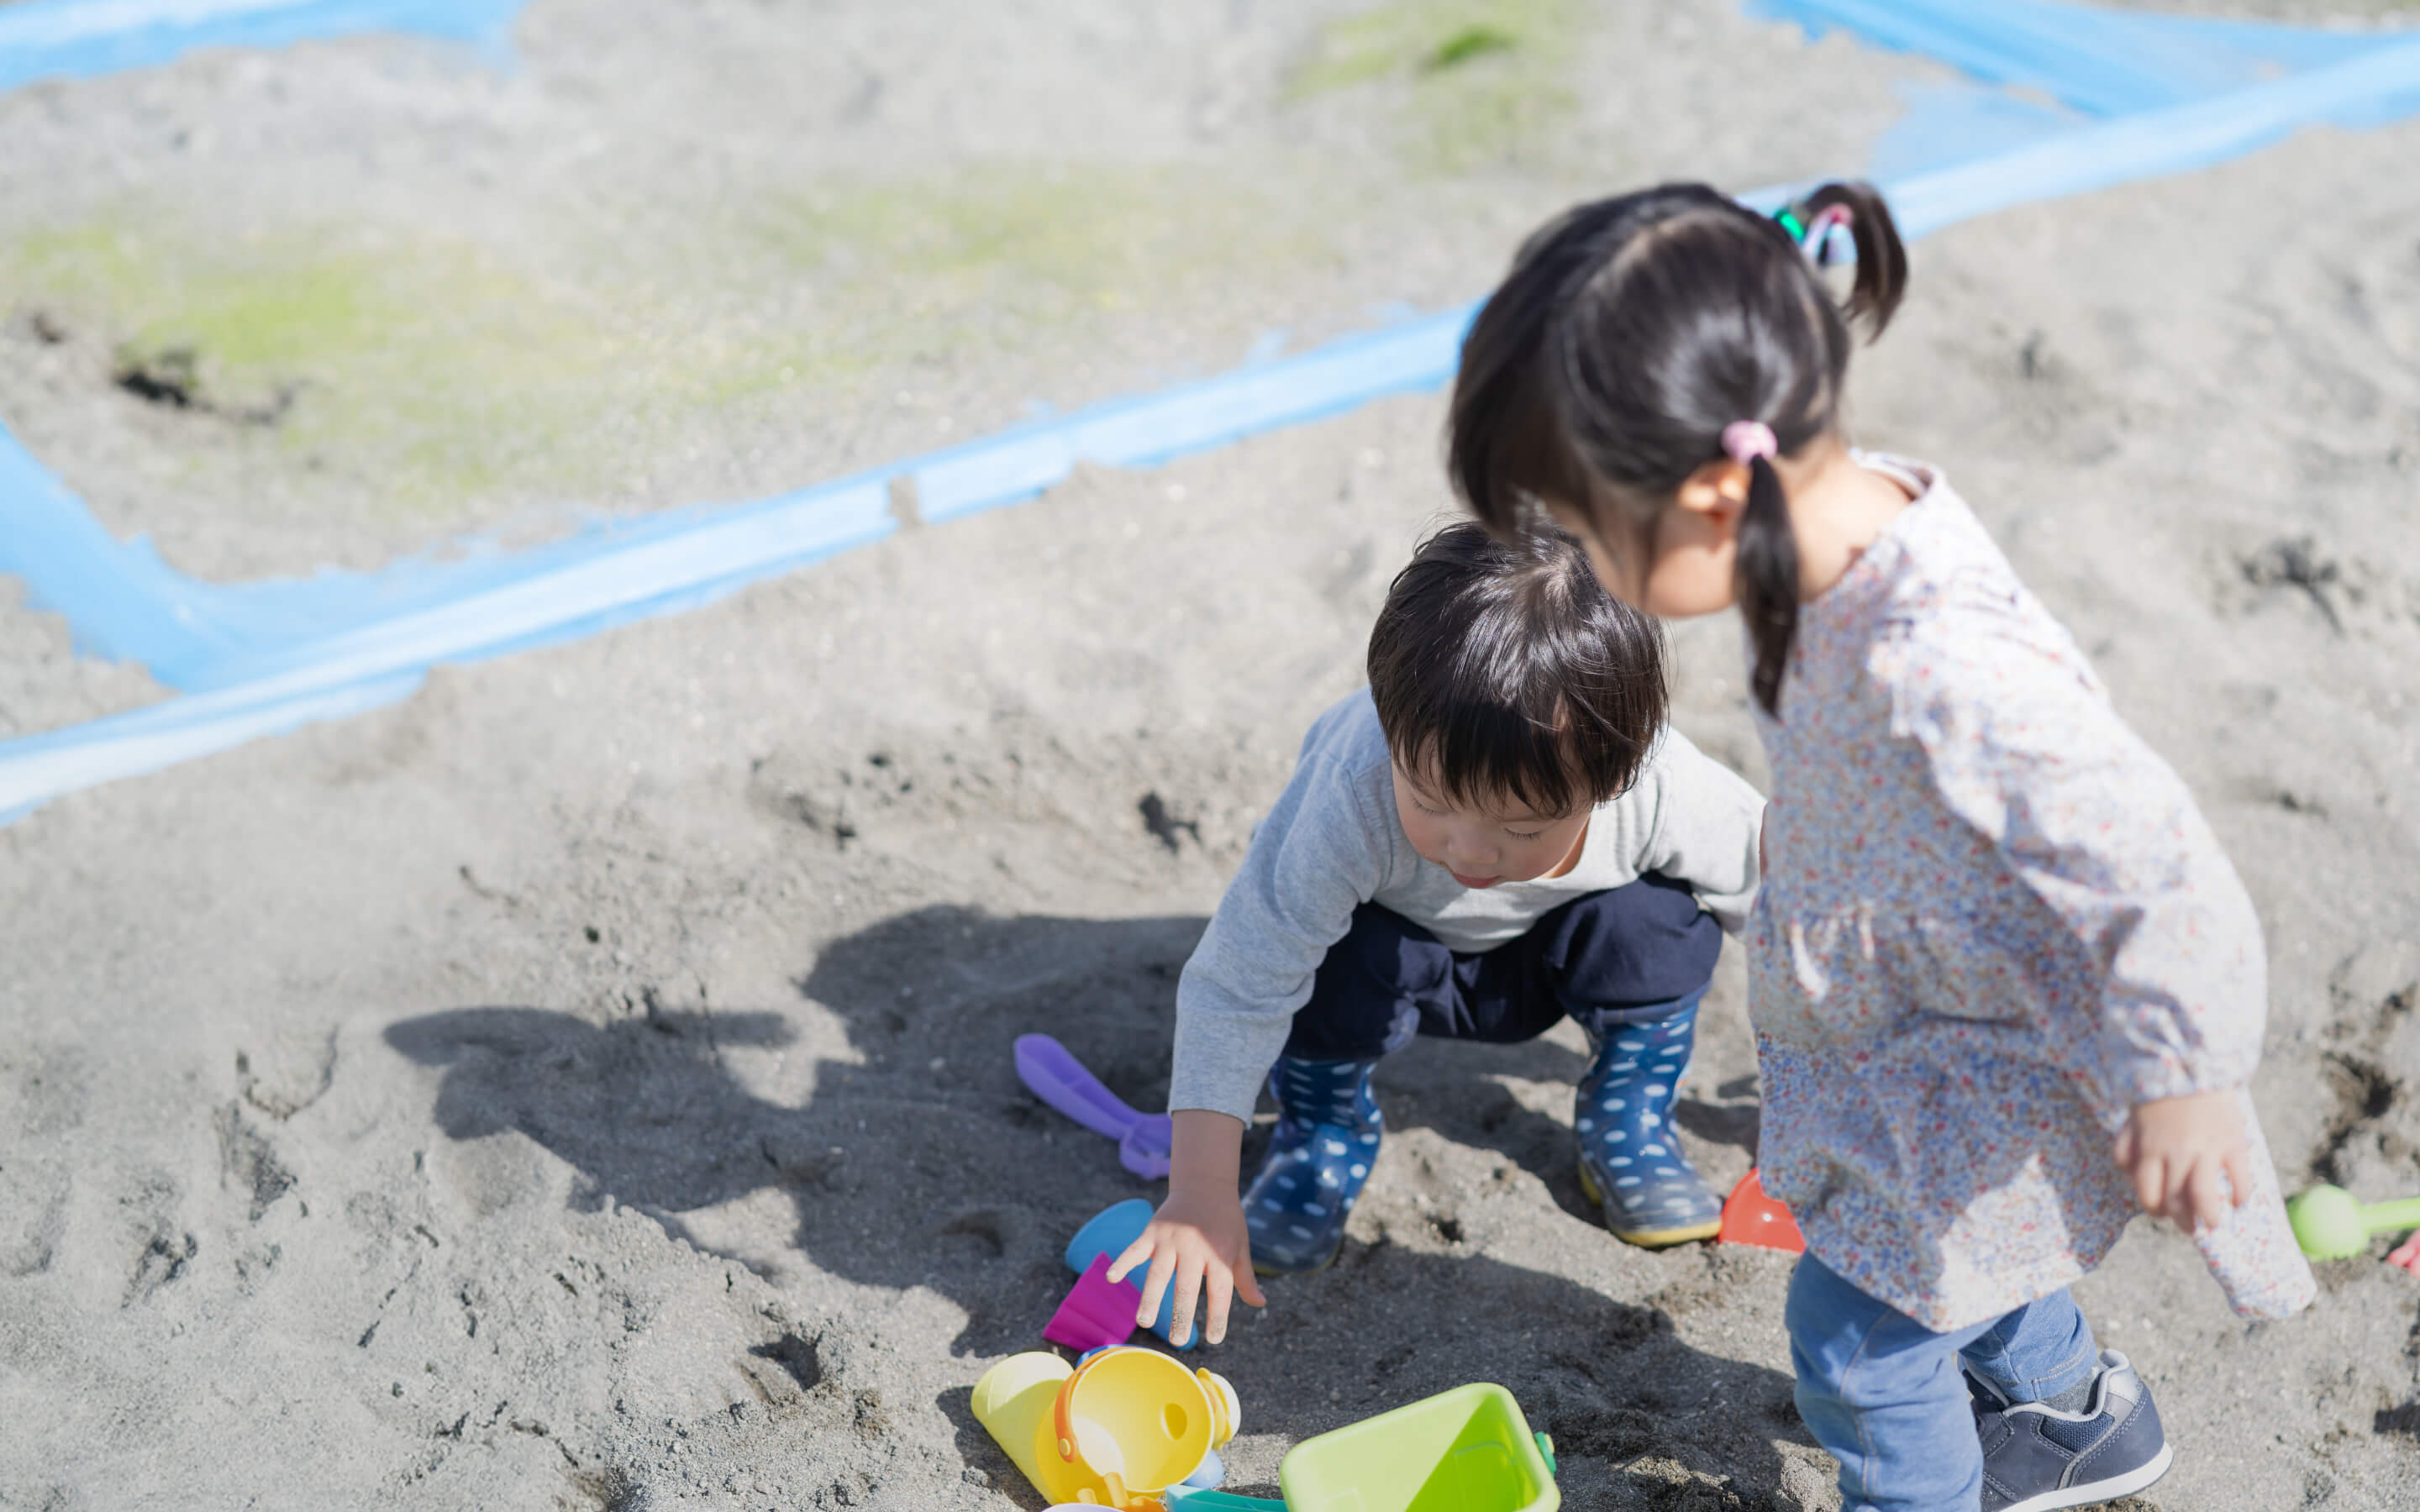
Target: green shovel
<point>2330,1226</point>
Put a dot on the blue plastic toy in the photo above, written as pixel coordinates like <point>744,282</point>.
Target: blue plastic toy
<point>1108,1234</point>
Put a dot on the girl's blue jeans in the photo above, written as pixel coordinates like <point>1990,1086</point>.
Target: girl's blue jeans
<point>1884,1394</point>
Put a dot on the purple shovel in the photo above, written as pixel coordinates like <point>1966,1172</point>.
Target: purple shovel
<point>1060,1080</point>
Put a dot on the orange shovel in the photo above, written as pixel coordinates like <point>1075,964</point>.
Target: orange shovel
<point>1750,1217</point>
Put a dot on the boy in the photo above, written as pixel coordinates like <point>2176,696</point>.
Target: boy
<point>1500,831</point>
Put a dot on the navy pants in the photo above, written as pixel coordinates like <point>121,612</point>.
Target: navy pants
<point>1628,955</point>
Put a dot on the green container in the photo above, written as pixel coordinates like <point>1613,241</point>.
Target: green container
<point>1465,1450</point>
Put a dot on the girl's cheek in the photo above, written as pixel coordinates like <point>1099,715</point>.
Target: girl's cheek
<point>1681,587</point>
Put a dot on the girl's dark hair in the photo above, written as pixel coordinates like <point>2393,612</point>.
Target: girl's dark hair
<point>1631,332</point>
<point>1502,667</point>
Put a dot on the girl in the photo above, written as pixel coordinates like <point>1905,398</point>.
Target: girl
<point>1994,934</point>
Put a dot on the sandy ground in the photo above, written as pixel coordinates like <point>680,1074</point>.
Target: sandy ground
<point>587,1084</point>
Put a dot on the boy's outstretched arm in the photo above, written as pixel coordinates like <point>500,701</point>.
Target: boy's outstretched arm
<point>1198,1235</point>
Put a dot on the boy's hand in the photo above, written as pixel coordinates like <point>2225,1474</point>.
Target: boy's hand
<point>1198,1235</point>
<point>1192,1241</point>
<point>2188,1157</point>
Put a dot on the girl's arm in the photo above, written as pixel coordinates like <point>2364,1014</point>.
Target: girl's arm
<point>2024,744</point>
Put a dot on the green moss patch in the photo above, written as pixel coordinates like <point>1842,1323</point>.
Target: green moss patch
<point>1484,80</point>
<point>437,370</point>
<point>431,365</point>
<point>1027,241</point>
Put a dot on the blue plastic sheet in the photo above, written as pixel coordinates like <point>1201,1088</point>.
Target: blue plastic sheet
<point>2099,61</point>
<point>2121,96</point>
<point>2036,68</point>
<point>86,38</point>
<point>2378,86</point>
<point>265,658</point>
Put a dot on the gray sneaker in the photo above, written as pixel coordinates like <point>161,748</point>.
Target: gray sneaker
<point>2036,1458</point>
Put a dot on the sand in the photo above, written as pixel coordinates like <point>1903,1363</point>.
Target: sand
<point>587,1084</point>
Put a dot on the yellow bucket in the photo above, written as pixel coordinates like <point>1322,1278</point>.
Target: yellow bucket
<point>1012,1403</point>
<point>1124,1426</point>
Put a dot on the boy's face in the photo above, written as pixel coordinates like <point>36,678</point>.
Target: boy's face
<point>1504,842</point>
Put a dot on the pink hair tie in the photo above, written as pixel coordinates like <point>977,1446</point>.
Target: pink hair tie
<point>1745,440</point>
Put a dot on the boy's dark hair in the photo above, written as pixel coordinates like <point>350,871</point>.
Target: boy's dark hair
<point>1502,668</point>
<point>1631,332</point>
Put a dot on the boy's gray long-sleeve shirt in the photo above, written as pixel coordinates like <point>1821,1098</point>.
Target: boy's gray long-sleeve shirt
<point>1333,842</point>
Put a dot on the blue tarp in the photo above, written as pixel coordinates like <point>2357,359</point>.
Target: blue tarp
<point>86,38</point>
<point>2106,96</point>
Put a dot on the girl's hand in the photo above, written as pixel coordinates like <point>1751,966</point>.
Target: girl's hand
<point>1198,1235</point>
<point>2188,1157</point>
<point>1192,1241</point>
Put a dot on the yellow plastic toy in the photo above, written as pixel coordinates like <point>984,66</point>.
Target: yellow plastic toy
<point>1113,1432</point>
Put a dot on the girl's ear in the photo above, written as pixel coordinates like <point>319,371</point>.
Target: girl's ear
<point>1717,492</point>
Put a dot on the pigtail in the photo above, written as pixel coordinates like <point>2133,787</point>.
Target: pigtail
<point>1768,580</point>
<point>1882,256</point>
<point>1640,337</point>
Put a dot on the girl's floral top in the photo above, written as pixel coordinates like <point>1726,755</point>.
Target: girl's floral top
<point>1992,922</point>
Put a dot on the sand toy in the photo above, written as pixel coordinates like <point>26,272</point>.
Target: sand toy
<point>1750,1217</point>
<point>1098,1312</point>
<point>1208,1475</point>
<point>1465,1450</point>
<point>1060,1080</point>
<point>2330,1226</point>
<point>1117,1431</point>
<point>1087,1312</point>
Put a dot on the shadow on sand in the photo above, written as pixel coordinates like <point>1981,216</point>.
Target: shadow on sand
<point>921,1160</point>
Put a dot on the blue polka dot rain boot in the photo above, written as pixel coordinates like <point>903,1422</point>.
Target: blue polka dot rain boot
<point>1631,1163</point>
<point>1327,1140</point>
